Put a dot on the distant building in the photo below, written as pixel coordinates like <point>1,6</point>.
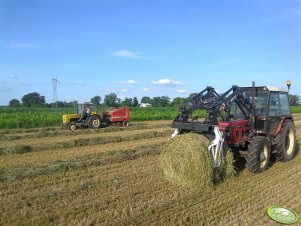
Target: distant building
<point>145,105</point>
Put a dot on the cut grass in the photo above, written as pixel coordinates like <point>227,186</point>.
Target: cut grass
<point>36,158</point>
<point>56,132</point>
<point>135,192</point>
<point>41,145</point>
<point>80,162</point>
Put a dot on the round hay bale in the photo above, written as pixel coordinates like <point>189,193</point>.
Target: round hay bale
<point>185,160</point>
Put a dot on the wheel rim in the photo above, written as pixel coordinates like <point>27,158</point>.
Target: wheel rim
<point>95,123</point>
<point>289,142</point>
<point>264,156</point>
<point>72,127</point>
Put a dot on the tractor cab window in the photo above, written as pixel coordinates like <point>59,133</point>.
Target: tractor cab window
<point>260,108</point>
<point>285,108</point>
<point>235,111</point>
<point>83,109</point>
<point>278,104</point>
<point>261,99</point>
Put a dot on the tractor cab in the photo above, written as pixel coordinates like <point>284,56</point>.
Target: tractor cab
<point>85,110</point>
<point>271,106</point>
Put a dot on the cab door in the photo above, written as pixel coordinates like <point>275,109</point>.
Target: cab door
<point>277,108</point>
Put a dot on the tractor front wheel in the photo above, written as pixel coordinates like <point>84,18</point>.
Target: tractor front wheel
<point>72,126</point>
<point>286,141</point>
<point>94,122</point>
<point>258,154</point>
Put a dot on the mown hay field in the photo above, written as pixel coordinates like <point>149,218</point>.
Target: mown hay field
<point>113,176</point>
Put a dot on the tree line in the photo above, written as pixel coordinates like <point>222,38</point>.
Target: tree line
<point>111,100</point>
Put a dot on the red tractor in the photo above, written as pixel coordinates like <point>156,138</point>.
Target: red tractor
<point>255,122</point>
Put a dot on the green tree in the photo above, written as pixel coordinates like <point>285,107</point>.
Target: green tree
<point>135,102</point>
<point>33,100</point>
<point>111,100</point>
<point>127,102</point>
<point>72,103</point>
<point>95,100</point>
<point>165,101</point>
<point>60,104</point>
<point>146,100</point>
<point>294,100</point>
<point>178,101</point>
<point>14,103</point>
<point>156,102</point>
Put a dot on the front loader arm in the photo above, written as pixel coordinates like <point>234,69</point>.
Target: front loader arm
<point>209,100</point>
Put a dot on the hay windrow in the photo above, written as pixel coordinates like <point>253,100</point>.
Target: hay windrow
<point>185,160</point>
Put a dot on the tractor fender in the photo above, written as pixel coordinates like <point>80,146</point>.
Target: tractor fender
<point>279,126</point>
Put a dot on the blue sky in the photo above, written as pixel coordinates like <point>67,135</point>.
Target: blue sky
<point>146,48</point>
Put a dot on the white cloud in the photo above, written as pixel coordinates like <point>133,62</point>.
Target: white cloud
<point>21,45</point>
<point>145,90</point>
<point>112,90</point>
<point>184,91</point>
<point>167,82</point>
<point>12,76</point>
<point>130,82</point>
<point>127,54</point>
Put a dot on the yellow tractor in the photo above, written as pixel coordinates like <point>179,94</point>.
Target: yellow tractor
<point>85,116</point>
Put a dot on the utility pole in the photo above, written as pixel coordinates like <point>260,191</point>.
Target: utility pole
<point>54,92</point>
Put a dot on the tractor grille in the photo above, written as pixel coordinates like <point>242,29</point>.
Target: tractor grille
<point>64,118</point>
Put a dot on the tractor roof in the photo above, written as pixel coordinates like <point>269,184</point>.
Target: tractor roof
<point>268,88</point>
<point>274,88</point>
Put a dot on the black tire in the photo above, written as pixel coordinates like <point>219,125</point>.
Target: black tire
<point>286,141</point>
<point>125,123</point>
<point>72,126</point>
<point>258,155</point>
<point>94,122</point>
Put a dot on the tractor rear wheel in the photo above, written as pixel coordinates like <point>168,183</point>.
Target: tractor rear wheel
<point>258,155</point>
<point>94,122</point>
<point>286,141</point>
<point>72,126</point>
